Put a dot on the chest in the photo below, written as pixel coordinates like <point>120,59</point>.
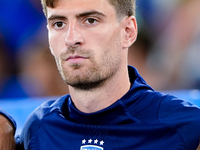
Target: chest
<point>85,137</point>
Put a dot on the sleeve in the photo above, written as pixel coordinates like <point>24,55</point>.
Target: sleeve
<point>32,127</point>
<point>184,117</point>
<point>29,131</point>
<point>12,121</point>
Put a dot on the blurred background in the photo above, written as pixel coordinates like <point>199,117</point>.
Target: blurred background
<point>27,68</point>
<point>166,53</point>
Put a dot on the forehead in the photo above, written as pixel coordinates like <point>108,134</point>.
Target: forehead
<point>64,7</point>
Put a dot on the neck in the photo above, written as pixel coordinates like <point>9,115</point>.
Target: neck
<point>96,99</point>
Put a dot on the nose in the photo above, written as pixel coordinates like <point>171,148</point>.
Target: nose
<point>73,37</point>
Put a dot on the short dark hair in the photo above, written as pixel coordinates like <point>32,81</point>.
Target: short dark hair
<point>122,7</point>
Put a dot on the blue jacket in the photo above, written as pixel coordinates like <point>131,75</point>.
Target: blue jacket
<point>142,119</point>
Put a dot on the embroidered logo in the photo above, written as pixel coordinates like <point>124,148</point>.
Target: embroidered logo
<point>92,144</point>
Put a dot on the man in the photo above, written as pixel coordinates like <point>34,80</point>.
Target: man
<point>110,106</point>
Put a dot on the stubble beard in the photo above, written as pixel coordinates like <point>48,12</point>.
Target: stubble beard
<point>92,78</point>
<point>86,80</point>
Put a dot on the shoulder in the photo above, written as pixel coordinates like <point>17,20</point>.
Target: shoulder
<point>182,116</point>
<point>34,121</point>
<point>46,109</point>
<point>174,107</point>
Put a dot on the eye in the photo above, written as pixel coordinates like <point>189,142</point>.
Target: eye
<point>91,21</point>
<point>59,25</point>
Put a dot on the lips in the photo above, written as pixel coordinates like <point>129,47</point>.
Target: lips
<point>75,57</point>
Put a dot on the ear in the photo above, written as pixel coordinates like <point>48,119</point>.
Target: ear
<point>130,31</point>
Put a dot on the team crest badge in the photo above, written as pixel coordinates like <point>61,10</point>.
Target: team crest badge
<point>92,145</point>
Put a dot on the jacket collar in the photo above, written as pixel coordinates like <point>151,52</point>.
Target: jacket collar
<point>117,113</point>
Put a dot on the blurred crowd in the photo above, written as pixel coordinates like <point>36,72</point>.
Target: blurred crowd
<point>166,52</point>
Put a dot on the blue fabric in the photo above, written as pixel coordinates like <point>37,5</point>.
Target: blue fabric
<point>141,119</point>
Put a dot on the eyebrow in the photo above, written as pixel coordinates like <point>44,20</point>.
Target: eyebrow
<point>60,17</point>
<point>54,17</point>
<point>90,13</point>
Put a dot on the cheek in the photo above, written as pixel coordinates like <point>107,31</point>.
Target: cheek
<point>111,42</point>
<point>51,43</point>
<point>108,52</point>
<point>55,45</point>
<point>112,37</point>
<point>105,39</point>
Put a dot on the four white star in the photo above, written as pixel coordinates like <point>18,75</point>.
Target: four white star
<point>90,141</point>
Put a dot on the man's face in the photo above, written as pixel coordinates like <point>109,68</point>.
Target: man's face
<point>86,40</point>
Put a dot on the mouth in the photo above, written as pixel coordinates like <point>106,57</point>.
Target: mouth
<point>76,59</point>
